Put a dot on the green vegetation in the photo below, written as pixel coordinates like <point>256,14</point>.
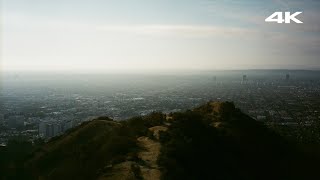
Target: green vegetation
<point>214,141</point>
<point>84,152</point>
<point>217,141</point>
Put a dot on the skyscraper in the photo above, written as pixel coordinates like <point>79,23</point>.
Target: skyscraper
<point>287,77</point>
<point>244,79</point>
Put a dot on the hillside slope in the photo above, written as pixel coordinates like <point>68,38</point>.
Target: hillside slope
<point>218,141</point>
<point>213,141</point>
<point>83,152</point>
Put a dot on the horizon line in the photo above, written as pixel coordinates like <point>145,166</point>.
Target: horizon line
<point>154,71</point>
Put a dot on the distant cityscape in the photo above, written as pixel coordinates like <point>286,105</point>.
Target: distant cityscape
<point>45,108</point>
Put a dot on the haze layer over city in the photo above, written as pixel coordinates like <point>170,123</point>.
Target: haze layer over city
<point>31,101</point>
<point>67,62</point>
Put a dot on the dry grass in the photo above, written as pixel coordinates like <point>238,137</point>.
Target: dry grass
<point>121,171</point>
<point>156,129</point>
<point>150,154</point>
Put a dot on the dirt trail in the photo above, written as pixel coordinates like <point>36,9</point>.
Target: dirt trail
<point>121,171</point>
<point>149,169</point>
<point>150,153</point>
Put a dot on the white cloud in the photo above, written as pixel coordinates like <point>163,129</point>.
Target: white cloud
<point>40,42</point>
<point>192,31</point>
<point>18,22</point>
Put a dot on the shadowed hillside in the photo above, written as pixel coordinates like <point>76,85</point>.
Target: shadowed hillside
<point>213,141</point>
<point>218,141</point>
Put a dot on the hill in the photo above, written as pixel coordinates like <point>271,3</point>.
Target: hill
<point>218,141</point>
<point>213,141</point>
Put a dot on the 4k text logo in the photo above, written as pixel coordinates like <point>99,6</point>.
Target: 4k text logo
<point>283,17</point>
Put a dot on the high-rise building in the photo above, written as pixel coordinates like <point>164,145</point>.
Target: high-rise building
<point>56,129</point>
<point>42,129</point>
<point>51,128</point>
<point>287,77</point>
<point>244,79</point>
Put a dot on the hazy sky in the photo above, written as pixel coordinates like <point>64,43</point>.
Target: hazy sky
<point>112,35</point>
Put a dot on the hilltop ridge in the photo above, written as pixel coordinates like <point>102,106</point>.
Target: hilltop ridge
<point>213,141</point>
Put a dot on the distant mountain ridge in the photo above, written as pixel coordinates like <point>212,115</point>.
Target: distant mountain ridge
<point>213,141</point>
